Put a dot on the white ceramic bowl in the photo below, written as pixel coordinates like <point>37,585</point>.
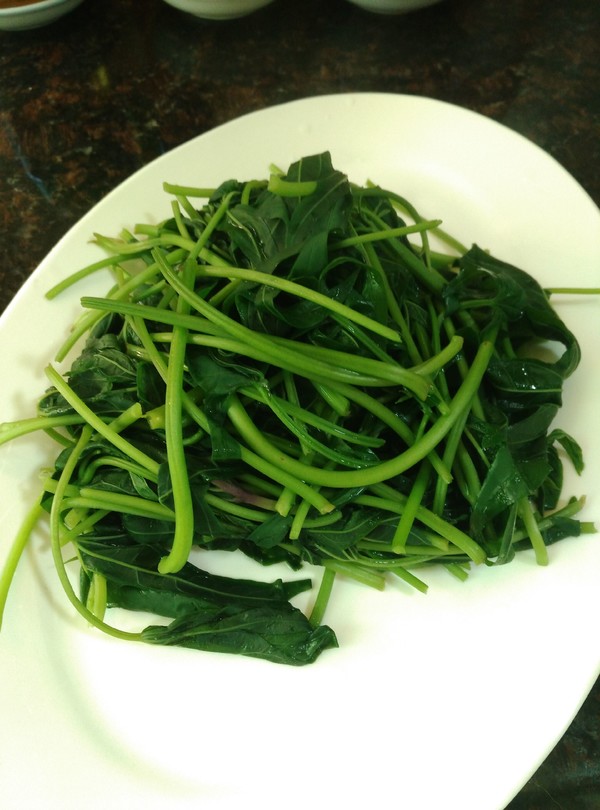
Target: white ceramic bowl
<point>34,14</point>
<point>219,9</point>
<point>393,6</point>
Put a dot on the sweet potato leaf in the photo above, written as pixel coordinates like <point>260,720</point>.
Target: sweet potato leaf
<point>277,634</point>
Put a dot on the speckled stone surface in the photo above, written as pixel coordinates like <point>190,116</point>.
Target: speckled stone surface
<point>88,100</point>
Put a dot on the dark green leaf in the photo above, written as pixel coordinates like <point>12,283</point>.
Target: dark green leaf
<point>278,633</point>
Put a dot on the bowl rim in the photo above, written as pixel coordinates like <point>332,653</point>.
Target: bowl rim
<point>189,3</point>
<point>31,7</point>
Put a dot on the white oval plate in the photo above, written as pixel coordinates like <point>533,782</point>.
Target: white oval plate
<point>449,700</point>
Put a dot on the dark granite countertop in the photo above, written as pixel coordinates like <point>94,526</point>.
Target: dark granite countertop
<point>88,100</point>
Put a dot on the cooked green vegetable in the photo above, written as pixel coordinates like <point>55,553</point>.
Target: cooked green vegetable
<point>291,371</point>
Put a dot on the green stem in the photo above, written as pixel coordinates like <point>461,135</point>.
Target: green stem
<point>83,526</point>
<point>231,508</point>
<point>97,596</point>
<point>187,191</point>
<point>117,462</point>
<point>356,572</point>
<point>16,550</point>
<point>454,437</point>
<point>93,498</point>
<point>410,579</point>
<point>425,274</point>
<point>395,502</point>
<point>160,364</point>
<point>385,372</point>
<point>183,536</point>
<point>386,233</point>
<point>209,229</point>
<point>98,425</point>
<point>378,472</point>
<point>290,357</point>
<point>11,430</point>
<point>116,295</point>
<point>56,545</point>
<point>393,305</point>
<point>74,278</point>
<point>526,514</point>
<point>298,430</point>
<point>323,596</point>
<point>291,188</point>
<point>275,473</point>
<point>410,510</point>
<point>439,360</point>
<point>167,239</point>
<point>308,417</point>
<point>300,291</point>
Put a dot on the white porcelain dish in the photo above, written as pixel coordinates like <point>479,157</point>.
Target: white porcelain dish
<point>446,700</point>
<point>35,15</point>
<point>393,6</point>
<point>219,9</point>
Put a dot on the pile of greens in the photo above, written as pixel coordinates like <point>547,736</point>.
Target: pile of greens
<point>292,370</point>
